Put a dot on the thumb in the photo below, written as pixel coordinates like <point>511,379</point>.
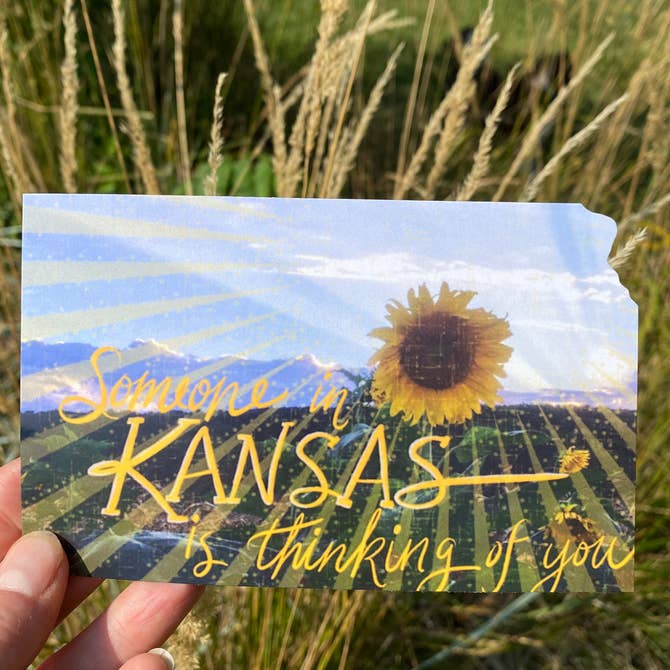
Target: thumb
<point>33,578</point>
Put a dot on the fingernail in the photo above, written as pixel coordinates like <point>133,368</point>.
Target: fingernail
<point>31,564</point>
<point>165,655</point>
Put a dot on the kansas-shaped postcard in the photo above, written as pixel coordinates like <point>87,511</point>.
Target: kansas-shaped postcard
<point>420,396</point>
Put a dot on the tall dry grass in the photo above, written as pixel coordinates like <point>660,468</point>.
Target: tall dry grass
<point>215,155</point>
<point>482,159</point>
<point>602,139</point>
<point>141,152</point>
<point>67,118</point>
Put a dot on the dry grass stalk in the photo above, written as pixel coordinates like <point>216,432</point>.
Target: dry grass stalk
<point>343,46</point>
<point>315,87</point>
<point>9,169</point>
<point>623,254</point>
<point>657,127</point>
<point>325,185</point>
<point>482,158</point>
<point>297,143</point>
<point>67,117</point>
<point>434,126</point>
<point>338,620</point>
<point>533,135</point>
<point>215,156</point>
<point>646,212</point>
<point>289,624</point>
<point>322,95</point>
<point>416,78</point>
<point>178,36</point>
<point>349,150</point>
<point>533,186</point>
<point>5,69</point>
<point>141,153</point>
<point>654,144</point>
<point>277,121</point>
<point>461,94</point>
<point>286,103</point>
<point>316,176</point>
<point>104,94</point>
<point>646,75</point>
<point>318,87</point>
<point>272,100</point>
<point>14,149</point>
<point>338,65</point>
<point>604,153</point>
<point>184,642</point>
<point>649,133</point>
<point>337,62</point>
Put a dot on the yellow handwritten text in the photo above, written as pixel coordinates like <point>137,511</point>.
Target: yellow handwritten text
<point>204,567</point>
<point>375,450</point>
<point>579,555</point>
<point>132,395</point>
<point>334,396</point>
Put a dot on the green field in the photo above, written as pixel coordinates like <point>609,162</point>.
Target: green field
<point>519,439</point>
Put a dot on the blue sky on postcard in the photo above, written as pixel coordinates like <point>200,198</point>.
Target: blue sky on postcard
<point>223,276</point>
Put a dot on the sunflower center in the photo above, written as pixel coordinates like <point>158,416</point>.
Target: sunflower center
<point>438,351</point>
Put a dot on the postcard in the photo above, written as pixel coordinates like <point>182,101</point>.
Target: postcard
<point>348,394</point>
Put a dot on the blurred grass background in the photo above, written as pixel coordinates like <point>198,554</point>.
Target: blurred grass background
<point>621,169</point>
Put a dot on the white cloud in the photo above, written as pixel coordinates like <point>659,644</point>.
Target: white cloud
<point>410,269</point>
<point>522,376</point>
<point>556,326</point>
<point>609,368</point>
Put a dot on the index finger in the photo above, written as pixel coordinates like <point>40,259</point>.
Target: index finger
<point>10,505</point>
<point>10,531</point>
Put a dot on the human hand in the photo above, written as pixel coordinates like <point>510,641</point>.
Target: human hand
<point>36,593</point>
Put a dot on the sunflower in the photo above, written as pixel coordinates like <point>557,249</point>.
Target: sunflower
<point>440,359</point>
<point>569,525</point>
<point>574,460</point>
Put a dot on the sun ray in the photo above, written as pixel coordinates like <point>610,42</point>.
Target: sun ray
<point>577,577</point>
<point>52,273</point>
<point>529,574</point>
<point>484,578</point>
<point>620,426</point>
<point>394,581</point>
<point>53,221</point>
<point>50,325</point>
<point>615,473</point>
<point>442,524</point>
